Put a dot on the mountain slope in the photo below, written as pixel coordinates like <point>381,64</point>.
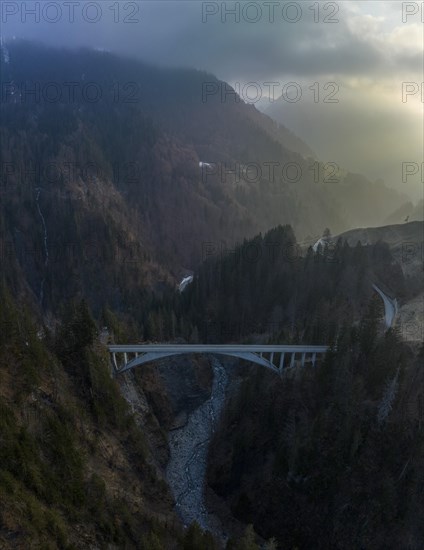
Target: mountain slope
<point>405,242</point>
<point>135,150</point>
<point>75,470</point>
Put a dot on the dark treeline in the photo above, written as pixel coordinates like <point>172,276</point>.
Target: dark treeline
<point>268,288</point>
<point>332,457</point>
<point>265,287</point>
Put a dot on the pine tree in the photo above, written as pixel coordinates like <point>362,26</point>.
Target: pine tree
<point>248,540</point>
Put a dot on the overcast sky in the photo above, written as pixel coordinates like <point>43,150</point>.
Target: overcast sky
<point>366,48</point>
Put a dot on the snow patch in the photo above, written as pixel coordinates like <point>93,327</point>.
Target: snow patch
<point>320,242</point>
<point>390,307</point>
<point>185,282</point>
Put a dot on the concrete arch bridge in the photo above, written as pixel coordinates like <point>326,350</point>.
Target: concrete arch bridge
<point>273,357</point>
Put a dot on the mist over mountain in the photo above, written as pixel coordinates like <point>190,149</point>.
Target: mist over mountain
<point>407,212</point>
<point>358,127</point>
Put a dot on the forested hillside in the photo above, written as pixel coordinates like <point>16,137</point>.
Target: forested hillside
<point>326,457</point>
<point>329,457</point>
<point>76,471</point>
<point>270,285</point>
<point>104,172</point>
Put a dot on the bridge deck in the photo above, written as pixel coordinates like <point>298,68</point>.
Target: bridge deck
<point>205,348</point>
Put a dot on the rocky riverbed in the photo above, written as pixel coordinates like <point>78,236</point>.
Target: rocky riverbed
<point>189,444</point>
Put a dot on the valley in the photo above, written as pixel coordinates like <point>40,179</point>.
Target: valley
<point>278,299</point>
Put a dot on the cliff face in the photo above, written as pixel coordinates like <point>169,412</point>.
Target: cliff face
<point>75,471</point>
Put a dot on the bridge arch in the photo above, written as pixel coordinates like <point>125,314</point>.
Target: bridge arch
<point>153,356</point>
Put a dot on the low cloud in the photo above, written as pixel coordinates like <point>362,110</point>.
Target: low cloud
<point>365,47</point>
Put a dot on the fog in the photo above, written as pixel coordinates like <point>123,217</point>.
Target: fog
<point>369,50</point>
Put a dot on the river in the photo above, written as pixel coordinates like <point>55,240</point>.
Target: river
<point>189,445</point>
